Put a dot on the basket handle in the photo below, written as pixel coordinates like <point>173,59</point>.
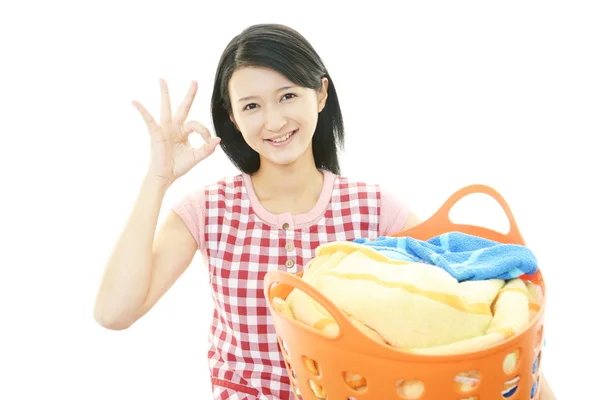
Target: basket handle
<point>440,222</point>
<point>345,325</point>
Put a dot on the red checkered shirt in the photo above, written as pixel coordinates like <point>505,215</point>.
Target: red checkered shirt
<point>240,247</point>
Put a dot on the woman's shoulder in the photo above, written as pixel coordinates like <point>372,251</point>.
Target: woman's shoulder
<point>384,190</point>
<point>226,181</point>
<point>223,186</point>
<point>196,195</point>
<point>394,210</point>
<point>345,181</point>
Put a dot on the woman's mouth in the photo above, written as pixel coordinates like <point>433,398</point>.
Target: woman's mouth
<point>282,139</point>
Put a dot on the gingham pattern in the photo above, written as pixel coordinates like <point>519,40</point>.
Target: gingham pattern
<point>241,248</point>
<point>222,393</point>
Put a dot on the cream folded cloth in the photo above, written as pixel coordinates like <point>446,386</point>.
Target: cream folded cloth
<point>413,307</point>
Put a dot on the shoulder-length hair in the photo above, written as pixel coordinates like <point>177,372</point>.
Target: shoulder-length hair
<point>284,50</point>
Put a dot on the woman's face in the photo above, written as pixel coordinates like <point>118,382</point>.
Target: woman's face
<point>276,117</point>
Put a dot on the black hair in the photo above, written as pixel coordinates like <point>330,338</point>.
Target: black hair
<point>284,50</point>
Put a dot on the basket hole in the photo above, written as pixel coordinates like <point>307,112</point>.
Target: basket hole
<point>318,390</point>
<point>489,213</point>
<point>284,348</point>
<point>293,372</point>
<point>534,388</point>
<point>409,388</point>
<point>510,387</point>
<point>312,366</point>
<point>539,337</point>
<point>356,382</point>
<point>536,363</point>
<point>466,382</point>
<point>511,362</point>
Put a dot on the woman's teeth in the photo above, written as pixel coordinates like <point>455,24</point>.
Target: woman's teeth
<point>283,138</point>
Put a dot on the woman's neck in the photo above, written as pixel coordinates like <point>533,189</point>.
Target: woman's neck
<point>293,188</point>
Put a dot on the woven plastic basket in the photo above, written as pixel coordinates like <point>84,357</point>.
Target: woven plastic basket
<point>322,368</point>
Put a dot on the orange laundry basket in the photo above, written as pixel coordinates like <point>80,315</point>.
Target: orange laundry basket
<point>386,370</point>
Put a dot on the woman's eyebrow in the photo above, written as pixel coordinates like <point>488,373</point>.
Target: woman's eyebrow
<point>254,97</point>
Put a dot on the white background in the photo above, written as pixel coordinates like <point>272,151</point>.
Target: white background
<point>435,97</point>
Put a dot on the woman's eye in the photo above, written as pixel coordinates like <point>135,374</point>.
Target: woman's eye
<point>286,96</point>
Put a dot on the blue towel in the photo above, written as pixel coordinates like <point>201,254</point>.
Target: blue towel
<point>465,257</point>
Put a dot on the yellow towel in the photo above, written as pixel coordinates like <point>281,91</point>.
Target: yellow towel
<point>415,307</point>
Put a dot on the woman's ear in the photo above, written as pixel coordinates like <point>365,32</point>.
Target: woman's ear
<point>233,120</point>
<point>322,93</point>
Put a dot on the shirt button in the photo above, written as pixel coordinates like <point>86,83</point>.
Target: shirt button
<point>289,263</point>
<point>289,247</point>
<point>286,226</point>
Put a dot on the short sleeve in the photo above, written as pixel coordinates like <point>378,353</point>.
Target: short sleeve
<point>191,209</point>
<point>393,215</point>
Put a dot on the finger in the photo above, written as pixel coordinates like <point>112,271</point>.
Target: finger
<point>165,108</point>
<point>150,122</point>
<point>195,126</point>
<point>205,150</point>
<point>185,106</point>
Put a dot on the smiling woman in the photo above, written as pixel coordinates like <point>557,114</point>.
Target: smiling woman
<point>276,115</point>
<point>270,82</point>
<point>279,118</point>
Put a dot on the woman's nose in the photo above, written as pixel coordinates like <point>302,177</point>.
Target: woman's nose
<point>274,119</point>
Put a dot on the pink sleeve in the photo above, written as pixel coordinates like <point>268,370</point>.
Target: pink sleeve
<point>191,210</point>
<point>393,215</point>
